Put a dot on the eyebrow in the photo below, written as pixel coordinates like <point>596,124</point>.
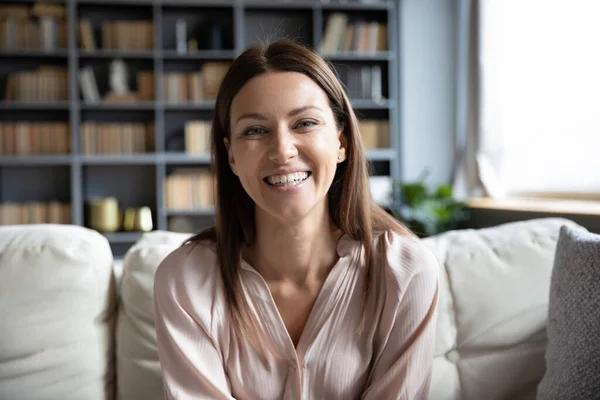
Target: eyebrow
<point>262,117</point>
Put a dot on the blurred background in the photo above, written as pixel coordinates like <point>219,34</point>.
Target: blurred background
<point>474,112</point>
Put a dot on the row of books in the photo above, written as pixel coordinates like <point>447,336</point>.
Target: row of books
<point>117,138</point>
<point>40,26</point>
<point>20,138</point>
<point>47,83</point>
<point>46,34</point>
<point>365,82</point>
<point>38,9</point>
<point>120,35</point>
<point>197,137</point>
<point>189,189</point>
<point>375,133</point>
<point>180,87</point>
<point>34,212</point>
<point>360,36</point>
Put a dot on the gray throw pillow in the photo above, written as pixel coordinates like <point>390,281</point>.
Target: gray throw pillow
<point>573,353</point>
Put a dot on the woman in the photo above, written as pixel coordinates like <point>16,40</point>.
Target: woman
<point>305,289</point>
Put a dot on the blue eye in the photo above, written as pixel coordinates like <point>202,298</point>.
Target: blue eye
<point>306,123</point>
<point>254,131</point>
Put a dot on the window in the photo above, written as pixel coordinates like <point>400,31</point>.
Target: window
<point>539,95</point>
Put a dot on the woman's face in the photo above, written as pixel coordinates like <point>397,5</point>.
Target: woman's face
<point>284,145</point>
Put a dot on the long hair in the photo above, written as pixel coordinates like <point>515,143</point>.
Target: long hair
<point>350,204</point>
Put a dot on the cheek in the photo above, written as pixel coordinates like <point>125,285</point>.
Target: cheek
<point>246,163</point>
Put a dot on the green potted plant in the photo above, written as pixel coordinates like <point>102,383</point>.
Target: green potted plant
<point>428,211</point>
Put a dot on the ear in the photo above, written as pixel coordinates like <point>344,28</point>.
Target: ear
<point>230,156</point>
<point>343,144</point>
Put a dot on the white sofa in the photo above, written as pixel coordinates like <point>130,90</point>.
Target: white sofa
<point>73,328</point>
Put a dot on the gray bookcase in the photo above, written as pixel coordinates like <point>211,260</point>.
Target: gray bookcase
<point>137,180</point>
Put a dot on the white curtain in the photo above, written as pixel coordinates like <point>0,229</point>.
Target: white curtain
<point>531,109</point>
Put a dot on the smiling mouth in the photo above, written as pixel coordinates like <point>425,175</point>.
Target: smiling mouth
<point>287,180</point>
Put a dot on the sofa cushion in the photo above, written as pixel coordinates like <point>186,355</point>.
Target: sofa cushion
<point>573,354</point>
<point>137,353</point>
<point>492,313</point>
<point>57,308</point>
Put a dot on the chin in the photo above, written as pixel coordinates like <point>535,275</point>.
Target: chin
<point>290,214</point>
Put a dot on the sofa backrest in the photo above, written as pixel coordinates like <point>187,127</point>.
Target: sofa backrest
<point>492,314</point>
<point>57,313</point>
<point>138,369</point>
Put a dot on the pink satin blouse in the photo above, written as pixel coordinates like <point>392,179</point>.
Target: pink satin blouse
<point>202,357</point>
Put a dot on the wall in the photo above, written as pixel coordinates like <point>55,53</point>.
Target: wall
<point>427,89</point>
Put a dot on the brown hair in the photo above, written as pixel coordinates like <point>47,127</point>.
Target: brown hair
<point>350,204</point>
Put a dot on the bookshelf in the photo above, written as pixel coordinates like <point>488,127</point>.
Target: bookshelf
<point>222,29</point>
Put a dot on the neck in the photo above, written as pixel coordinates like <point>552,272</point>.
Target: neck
<point>298,252</point>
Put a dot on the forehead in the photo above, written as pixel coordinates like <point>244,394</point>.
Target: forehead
<point>275,92</point>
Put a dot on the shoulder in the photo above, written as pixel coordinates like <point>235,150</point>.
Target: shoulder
<point>190,277</point>
<point>407,263</point>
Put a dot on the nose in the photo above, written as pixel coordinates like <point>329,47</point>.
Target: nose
<point>282,146</point>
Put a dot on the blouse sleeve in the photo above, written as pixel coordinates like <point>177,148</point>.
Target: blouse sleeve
<point>191,364</point>
<point>403,367</point>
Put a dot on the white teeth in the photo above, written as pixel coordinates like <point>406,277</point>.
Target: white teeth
<point>287,180</point>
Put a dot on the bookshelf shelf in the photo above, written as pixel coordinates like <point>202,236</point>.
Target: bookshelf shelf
<point>119,159</point>
<point>374,5</point>
<point>115,3</point>
<point>167,4</point>
<point>206,105</point>
<point>255,5</point>
<point>28,2</point>
<point>36,54</point>
<point>189,213</point>
<point>368,57</point>
<point>35,159</point>
<point>139,106</point>
<point>112,54</point>
<point>199,55</point>
<point>185,159</point>
<point>215,31</point>
<point>34,105</point>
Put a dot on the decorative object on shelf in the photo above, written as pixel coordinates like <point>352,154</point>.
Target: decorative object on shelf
<point>104,214</point>
<point>192,45</point>
<point>118,77</point>
<point>119,88</point>
<point>129,219</point>
<point>216,37</point>
<point>143,220</point>
<point>181,35</point>
<point>427,212</point>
